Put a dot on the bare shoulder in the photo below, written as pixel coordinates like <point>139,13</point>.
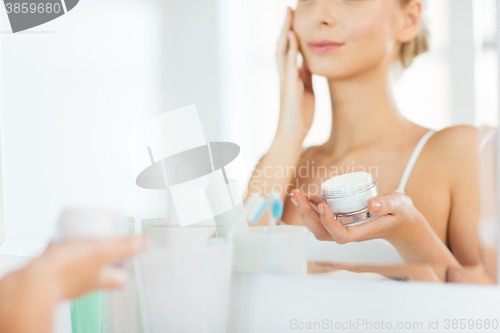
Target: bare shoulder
<point>459,133</point>
<point>456,141</point>
<point>455,150</point>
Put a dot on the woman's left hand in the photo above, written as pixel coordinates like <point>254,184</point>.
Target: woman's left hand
<point>395,212</point>
<point>398,222</point>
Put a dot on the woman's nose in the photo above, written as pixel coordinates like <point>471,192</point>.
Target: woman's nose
<point>324,13</point>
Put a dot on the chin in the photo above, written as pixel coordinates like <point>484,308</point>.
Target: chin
<point>337,68</point>
<point>331,69</point>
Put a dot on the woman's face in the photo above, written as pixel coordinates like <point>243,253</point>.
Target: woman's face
<point>343,38</point>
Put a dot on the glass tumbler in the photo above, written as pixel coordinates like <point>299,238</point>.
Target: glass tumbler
<point>87,223</point>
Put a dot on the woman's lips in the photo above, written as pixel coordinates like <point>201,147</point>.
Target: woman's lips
<point>323,46</point>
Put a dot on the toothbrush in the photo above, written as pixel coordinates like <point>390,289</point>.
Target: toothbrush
<point>254,208</point>
<point>275,205</point>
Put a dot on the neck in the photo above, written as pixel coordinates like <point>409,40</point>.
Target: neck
<point>363,111</point>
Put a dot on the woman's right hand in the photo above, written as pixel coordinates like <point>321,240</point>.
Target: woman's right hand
<point>297,95</point>
<point>80,267</point>
<point>66,270</point>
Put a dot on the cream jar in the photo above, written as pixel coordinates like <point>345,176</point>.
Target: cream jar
<point>347,196</point>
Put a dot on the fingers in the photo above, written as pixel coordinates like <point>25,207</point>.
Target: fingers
<point>394,204</point>
<point>311,219</point>
<point>337,230</point>
<point>112,277</point>
<point>314,199</point>
<point>327,227</point>
<point>287,26</point>
<point>123,248</point>
<point>342,234</point>
<point>283,41</point>
<point>291,61</point>
<point>326,264</point>
<point>103,254</point>
<point>356,268</point>
<point>314,203</point>
<point>306,77</point>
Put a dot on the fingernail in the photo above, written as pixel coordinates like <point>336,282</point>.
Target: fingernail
<point>114,276</point>
<point>295,202</point>
<point>138,243</point>
<point>376,205</point>
<point>119,276</point>
<point>321,209</point>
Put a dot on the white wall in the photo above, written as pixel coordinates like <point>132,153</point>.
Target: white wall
<point>424,92</point>
<point>73,90</point>
<point>76,87</point>
<point>190,60</point>
<point>486,62</point>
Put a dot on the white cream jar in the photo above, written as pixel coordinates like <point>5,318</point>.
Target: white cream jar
<point>347,196</point>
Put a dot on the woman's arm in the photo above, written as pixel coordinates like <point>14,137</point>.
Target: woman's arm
<point>68,270</point>
<point>27,303</point>
<point>463,143</point>
<point>276,169</point>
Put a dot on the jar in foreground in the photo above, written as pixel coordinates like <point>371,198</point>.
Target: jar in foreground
<point>347,196</point>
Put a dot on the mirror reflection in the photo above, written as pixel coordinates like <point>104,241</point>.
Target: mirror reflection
<point>385,143</point>
<point>346,139</point>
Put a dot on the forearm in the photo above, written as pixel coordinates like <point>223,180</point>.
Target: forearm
<point>275,171</point>
<point>26,303</point>
<point>419,244</point>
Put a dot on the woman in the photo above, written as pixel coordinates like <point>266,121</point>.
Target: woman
<point>356,44</point>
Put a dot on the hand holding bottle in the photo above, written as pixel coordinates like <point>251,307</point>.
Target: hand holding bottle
<point>67,270</point>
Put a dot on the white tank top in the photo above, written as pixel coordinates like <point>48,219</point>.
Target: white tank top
<point>413,159</point>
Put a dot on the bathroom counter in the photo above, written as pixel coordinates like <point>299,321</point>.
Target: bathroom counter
<point>265,303</point>
<point>275,303</point>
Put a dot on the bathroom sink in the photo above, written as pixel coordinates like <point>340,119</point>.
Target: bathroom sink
<point>377,251</point>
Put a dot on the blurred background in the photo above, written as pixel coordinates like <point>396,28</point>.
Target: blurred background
<point>74,88</point>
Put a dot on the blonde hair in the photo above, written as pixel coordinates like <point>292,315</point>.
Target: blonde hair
<point>412,49</point>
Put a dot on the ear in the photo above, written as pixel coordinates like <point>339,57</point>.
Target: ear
<point>410,21</point>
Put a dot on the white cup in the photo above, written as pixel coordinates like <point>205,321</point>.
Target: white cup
<point>162,234</point>
<point>89,223</point>
<point>187,289</point>
<point>121,308</point>
<point>280,249</point>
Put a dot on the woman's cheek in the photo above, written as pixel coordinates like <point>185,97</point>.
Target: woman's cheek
<point>370,38</point>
